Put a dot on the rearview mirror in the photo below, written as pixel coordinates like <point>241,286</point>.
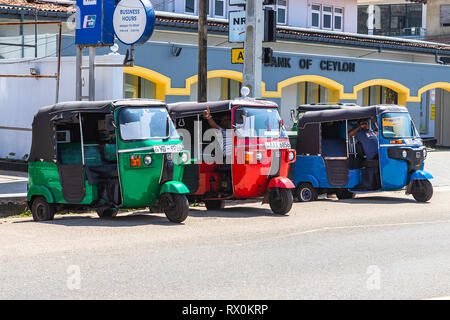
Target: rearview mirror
<point>109,123</point>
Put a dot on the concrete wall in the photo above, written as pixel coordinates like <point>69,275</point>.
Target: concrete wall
<point>434,27</point>
<point>20,98</point>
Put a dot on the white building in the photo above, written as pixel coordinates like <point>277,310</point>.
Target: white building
<point>340,15</point>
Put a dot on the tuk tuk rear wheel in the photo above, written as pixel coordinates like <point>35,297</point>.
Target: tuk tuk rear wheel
<point>306,192</point>
<point>108,213</point>
<point>422,190</point>
<point>280,200</point>
<point>214,204</point>
<point>175,207</point>
<point>42,210</point>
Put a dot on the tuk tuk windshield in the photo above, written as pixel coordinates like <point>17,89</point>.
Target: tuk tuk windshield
<point>258,122</point>
<point>398,125</point>
<point>146,123</point>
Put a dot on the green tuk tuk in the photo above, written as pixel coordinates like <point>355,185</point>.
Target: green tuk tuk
<point>106,155</point>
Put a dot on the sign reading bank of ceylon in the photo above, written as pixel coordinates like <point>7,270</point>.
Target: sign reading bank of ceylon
<point>134,21</point>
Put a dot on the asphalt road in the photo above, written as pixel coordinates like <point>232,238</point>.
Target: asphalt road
<point>381,246</point>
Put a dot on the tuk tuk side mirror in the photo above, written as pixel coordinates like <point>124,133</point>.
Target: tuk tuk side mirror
<point>109,123</point>
<point>238,116</point>
<point>293,118</point>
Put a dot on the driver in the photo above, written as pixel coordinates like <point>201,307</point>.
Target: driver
<point>369,142</point>
<point>224,128</point>
<point>367,137</point>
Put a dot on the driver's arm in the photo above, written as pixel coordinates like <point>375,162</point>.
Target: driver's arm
<point>211,122</point>
<point>352,132</point>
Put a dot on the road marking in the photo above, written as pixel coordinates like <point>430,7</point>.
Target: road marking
<point>361,227</point>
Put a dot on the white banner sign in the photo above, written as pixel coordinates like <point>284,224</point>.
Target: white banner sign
<point>236,26</point>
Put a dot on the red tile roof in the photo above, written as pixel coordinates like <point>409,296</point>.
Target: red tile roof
<point>40,5</point>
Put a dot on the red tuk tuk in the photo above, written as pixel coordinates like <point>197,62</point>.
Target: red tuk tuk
<point>248,158</point>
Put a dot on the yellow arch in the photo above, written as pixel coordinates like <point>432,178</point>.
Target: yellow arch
<point>434,85</point>
<point>403,92</point>
<point>162,82</point>
<point>336,89</point>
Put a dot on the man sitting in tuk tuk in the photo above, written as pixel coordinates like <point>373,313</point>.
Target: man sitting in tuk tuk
<point>369,142</point>
<point>367,137</point>
<point>224,127</point>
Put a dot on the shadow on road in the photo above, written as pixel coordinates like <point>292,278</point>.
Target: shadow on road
<point>233,212</point>
<point>138,218</point>
<point>379,200</point>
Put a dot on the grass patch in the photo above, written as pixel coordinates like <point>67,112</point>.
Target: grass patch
<point>25,214</point>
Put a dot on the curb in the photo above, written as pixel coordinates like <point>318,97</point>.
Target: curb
<point>11,205</point>
<point>14,166</point>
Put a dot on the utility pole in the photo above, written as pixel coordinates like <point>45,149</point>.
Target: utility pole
<point>202,93</point>
<point>253,47</point>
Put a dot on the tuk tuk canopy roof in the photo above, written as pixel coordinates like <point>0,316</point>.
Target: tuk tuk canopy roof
<point>183,109</point>
<point>323,106</point>
<point>43,144</point>
<point>348,113</point>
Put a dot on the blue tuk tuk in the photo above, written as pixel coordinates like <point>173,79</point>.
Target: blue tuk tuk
<point>330,160</point>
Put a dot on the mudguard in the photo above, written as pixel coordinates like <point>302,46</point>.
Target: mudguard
<point>40,190</point>
<point>420,175</point>
<point>174,187</point>
<point>281,182</point>
<point>308,178</point>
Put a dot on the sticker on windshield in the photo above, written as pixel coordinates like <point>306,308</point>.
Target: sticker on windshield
<point>271,145</point>
<point>169,148</point>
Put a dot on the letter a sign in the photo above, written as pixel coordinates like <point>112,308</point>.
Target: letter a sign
<point>237,55</point>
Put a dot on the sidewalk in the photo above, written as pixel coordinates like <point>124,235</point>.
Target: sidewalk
<point>13,192</point>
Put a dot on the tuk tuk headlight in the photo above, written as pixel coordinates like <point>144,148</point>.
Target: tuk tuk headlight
<point>148,160</point>
<point>259,156</point>
<point>404,154</point>
<point>425,153</point>
<point>291,155</point>
<point>184,157</point>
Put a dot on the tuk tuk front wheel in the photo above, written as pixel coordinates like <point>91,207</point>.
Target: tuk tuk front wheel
<point>175,206</point>
<point>422,190</point>
<point>306,192</point>
<point>280,200</point>
<point>42,210</point>
<point>108,213</point>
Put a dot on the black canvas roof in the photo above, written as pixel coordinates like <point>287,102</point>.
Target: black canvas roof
<point>347,114</point>
<point>182,109</point>
<point>43,135</point>
<point>323,106</point>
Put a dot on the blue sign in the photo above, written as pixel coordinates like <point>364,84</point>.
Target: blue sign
<point>134,21</point>
<point>94,22</point>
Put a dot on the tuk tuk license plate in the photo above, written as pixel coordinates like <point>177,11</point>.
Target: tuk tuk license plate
<point>271,145</point>
<point>169,148</point>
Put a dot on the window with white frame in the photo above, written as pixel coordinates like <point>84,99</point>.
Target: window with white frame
<point>327,17</point>
<point>282,11</point>
<point>189,6</point>
<point>315,16</point>
<point>338,19</point>
<point>214,8</point>
<point>219,8</point>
